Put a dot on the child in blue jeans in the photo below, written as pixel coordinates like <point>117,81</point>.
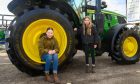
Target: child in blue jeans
<point>48,49</point>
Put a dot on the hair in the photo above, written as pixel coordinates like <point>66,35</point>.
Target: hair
<point>49,28</point>
<point>89,27</point>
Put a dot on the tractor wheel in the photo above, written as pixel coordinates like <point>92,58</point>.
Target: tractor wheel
<point>127,50</point>
<point>98,52</point>
<point>24,36</point>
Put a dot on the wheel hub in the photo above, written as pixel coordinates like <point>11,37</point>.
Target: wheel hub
<point>34,30</point>
<point>130,46</point>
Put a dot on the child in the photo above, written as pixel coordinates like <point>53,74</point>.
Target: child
<point>48,49</point>
<point>89,37</point>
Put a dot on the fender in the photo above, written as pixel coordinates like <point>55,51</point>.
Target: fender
<point>111,36</point>
<point>118,28</point>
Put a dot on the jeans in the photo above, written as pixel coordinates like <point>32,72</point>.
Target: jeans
<point>89,50</point>
<point>50,59</point>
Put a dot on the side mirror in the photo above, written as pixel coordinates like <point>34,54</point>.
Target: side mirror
<point>103,5</point>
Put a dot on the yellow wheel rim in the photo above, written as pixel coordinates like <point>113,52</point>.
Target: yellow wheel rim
<point>130,46</point>
<point>32,33</point>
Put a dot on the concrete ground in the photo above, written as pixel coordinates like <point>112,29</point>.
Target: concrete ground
<point>107,72</point>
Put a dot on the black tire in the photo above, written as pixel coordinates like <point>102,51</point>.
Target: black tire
<point>119,56</point>
<point>16,6</point>
<point>16,51</point>
<point>98,52</point>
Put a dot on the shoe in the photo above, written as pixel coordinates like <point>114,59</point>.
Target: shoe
<point>56,79</point>
<point>48,78</point>
<point>93,65</point>
<point>87,69</point>
<point>93,69</point>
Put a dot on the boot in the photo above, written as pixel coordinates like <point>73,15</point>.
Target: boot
<point>93,68</point>
<point>48,78</point>
<point>56,79</point>
<point>87,69</point>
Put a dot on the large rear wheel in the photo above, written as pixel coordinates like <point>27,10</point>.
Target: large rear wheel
<point>24,37</point>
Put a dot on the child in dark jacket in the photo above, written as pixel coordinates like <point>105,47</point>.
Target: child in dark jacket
<point>89,37</point>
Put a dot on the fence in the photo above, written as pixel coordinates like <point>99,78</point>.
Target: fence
<point>5,21</point>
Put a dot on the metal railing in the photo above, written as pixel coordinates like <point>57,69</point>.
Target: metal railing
<point>5,21</point>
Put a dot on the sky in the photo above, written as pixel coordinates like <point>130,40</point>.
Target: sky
<point>113,5</point>
<point>3,7</point>
<point>118,6</point>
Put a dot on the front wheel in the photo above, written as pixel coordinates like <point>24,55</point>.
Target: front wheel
<point>127,50</point>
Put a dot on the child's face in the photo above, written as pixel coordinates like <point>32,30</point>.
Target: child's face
<point>49,33</point>
<point>87,21</point>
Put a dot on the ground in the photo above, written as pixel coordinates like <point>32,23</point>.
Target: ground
<point>107,72</point>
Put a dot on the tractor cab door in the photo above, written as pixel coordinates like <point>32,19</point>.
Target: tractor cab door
<point>108,19</point>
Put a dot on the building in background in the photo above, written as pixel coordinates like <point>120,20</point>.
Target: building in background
<point>133,11</point>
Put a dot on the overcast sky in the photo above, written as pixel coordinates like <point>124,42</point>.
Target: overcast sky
<point>118,6</point>
<point>113,5</point>
<point>3,7</point>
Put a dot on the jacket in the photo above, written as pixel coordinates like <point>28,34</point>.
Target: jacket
<point>89,39</point>
<point>46,44</point>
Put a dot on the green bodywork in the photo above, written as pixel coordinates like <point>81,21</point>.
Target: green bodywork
<point>110,18</point>
<point>2,34</point>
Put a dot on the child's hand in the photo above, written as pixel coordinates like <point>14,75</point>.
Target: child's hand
<point>95,46</point>
<point>50,52</point>
<point>75,29</point>
<point>53,51</point>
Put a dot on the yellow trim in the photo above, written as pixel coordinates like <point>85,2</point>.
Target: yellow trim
<point>34,30</point>
<point>130,46</point>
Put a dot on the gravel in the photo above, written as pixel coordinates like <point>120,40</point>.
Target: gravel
<point>107,72</point>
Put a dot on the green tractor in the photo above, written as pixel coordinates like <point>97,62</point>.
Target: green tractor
<point>34,16</point>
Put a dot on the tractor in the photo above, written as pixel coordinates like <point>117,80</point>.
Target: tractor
<point>34,16</point>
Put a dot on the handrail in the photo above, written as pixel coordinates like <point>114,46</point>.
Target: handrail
<point>5,20</point>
